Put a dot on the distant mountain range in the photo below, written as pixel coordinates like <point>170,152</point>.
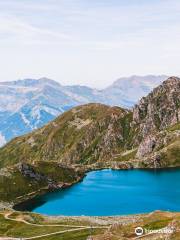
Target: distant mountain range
<point>28,104</point>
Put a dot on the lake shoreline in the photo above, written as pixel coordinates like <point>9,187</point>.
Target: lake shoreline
<point>19,206</point>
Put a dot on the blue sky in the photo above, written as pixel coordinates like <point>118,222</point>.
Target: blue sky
<point>91,42</point>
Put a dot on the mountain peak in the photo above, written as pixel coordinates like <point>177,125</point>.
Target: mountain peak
<point>172,80</point>
<point>139,78</point>
<point>48,80</point>
<point>30,82</point>
<point>160,109</point>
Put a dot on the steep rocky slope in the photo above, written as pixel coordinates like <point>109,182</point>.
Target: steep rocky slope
<point>160,109</point>
<point>158,117</point>
<point>94,136</point>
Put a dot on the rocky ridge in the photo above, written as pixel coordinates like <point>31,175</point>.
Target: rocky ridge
<point>160,109</point>
<point>156,114</point>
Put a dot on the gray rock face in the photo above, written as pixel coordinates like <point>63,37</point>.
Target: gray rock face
<point>28,171</point>
<point>146,146</point>
<point>154,113</point>
<point>153,143</point>
<point>160,109</point>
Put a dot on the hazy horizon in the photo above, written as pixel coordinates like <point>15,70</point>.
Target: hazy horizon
<point>86,85</point>
<point>91,43</point>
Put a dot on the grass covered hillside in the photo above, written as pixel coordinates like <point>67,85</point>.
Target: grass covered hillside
<point>83,135</point>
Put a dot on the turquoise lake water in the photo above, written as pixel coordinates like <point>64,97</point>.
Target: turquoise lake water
<point>113,192</point>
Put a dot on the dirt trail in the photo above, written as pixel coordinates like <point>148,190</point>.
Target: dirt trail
<point>56,233</point>
<point>74,228</point>
<point>6,216</point>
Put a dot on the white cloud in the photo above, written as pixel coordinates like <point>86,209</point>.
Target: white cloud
<point>13,29</point>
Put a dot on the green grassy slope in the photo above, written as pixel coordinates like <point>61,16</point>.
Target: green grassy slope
<point>83,135</point>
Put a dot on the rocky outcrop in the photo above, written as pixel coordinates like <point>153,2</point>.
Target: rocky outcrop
<point>160,109</point>
<point>155,113</point>
<point>28,171</point>
<point>147,146</point>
